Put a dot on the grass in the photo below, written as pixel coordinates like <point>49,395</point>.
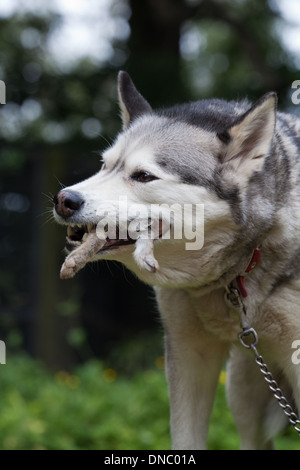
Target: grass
<point>95,408</point>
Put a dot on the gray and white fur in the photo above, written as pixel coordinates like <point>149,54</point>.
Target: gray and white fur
<point>242,161</point>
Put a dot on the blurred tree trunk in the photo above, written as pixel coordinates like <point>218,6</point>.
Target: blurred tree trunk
<point>154,60</point>
<point>50,328</point>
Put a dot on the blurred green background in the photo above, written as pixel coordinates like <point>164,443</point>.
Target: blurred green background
<point>89,350</point>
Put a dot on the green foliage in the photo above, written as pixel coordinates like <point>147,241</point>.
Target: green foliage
<point>95,408</point>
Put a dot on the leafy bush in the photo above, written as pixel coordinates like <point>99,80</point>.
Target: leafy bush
<point>90,409</point>
<point>95,408</point>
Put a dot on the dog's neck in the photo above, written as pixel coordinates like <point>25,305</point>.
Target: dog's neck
<point>236,274</point>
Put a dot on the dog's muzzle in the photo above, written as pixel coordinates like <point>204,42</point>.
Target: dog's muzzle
<point>66,204</point>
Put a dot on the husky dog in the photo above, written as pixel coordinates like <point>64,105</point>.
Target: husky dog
<point>241,161</point>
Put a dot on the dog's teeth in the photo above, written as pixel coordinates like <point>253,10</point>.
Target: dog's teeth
<point>90,227</point>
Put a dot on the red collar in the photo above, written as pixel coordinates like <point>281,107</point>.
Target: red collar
<point>252,264</point>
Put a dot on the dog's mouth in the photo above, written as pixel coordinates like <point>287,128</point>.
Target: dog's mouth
<point>76,235</point>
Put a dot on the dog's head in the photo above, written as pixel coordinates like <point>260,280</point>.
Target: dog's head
<point>186,177</point>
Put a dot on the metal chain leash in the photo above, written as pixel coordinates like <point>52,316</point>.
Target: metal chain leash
<point>233,296</point>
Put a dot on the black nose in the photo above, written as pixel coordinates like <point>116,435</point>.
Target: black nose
<point>67,202</point>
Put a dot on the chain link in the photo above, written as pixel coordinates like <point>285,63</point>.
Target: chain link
<point>277,392</point>
<point>233,297</point>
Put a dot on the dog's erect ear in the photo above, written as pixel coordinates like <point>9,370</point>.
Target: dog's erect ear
<point>131,102</point>
<point>249,139</point>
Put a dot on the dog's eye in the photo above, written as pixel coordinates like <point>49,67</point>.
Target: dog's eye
<point>143,177</point>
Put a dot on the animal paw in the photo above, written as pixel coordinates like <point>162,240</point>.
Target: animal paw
<point>73,263</point>
<point>150,263</point>
<point>143,255</point>
<point>146,261</point>
<point>68,269</point>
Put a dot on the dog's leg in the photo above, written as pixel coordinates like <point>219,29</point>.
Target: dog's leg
<point>193,362</point>
<point>78,258</point>
<point>251,401</point>
<point>258,416</point>
<point>289,362</point>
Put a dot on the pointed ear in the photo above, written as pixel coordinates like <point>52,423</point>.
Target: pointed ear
<point>249,139</point>
<point>132,103</point>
